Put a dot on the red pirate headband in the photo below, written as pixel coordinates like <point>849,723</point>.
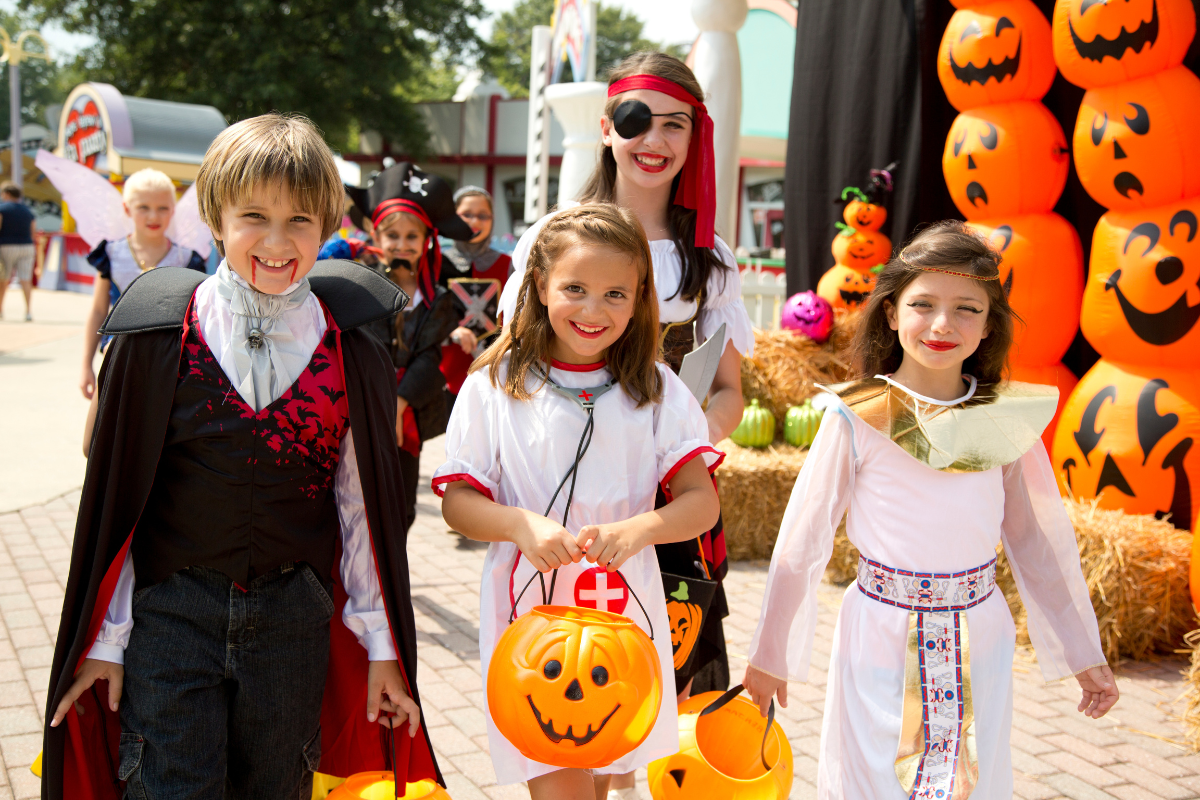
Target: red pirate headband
<point>428,269</point>
<point>697,181</point>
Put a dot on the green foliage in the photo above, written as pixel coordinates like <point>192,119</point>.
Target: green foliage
<point>619,33</point>
<point>42,84</point>
<point>347,64</point>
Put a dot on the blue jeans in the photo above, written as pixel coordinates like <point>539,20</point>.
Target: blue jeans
<point>223,686</point>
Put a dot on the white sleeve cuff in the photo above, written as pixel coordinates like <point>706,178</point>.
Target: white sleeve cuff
<point>380,646</point>
<point>113,653</point>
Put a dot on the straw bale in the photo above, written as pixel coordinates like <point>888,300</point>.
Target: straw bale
<point>786,367</point>
<point>754,486</point>
<point>1191,694</point>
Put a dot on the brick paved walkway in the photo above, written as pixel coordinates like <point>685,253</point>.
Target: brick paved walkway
<point>1130,754</point>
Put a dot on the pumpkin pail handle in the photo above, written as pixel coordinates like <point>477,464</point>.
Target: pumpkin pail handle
<point>720,703</point>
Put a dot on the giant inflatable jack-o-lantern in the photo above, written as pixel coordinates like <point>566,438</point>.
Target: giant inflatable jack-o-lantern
<point>1005,159</point>
<point>1052,375</point>
<point>1102,42</point>
<point>1130,435</point>
<point>574,687</point>
<point>1142,301</point>
<point>1042,272</point>
<point>726,752</point>
<point>996,53</point>
<point>1137,143</point>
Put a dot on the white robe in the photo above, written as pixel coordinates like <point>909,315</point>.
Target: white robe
<point>909,516</point>
<point>516,452</point>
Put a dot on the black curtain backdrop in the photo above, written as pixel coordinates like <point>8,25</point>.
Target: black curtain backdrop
<point>866,93</point>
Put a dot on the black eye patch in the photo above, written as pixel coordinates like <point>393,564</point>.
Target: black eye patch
<point>632,118</point>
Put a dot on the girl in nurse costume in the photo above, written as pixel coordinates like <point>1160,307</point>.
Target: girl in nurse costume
<point>582,341</point>
<point>938,460</point>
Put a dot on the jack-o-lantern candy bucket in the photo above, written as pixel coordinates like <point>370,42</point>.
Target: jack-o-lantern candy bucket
<point>1005,159</point>
<point>1137,143</point>
<point>1102,43</point>
<point>727,751</point>
<point>1130,435</point>
<point>382,786</point>
<point>995,53</point>
<point>574,687</point>
<point>1142,301</point>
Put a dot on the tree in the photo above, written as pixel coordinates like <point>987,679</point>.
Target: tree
<point>347,64</point>
<point>618,33</point>
<point>42,84</point>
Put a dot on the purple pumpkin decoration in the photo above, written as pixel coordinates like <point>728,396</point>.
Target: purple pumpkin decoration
<point>808,313</point>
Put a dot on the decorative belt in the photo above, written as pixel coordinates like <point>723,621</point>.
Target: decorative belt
<point>936,756</point>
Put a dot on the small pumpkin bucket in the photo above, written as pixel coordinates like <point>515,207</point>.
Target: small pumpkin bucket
<point>574,687</point>
<point>688,602</point>
<point>382,786</point>
<point>727,750</point>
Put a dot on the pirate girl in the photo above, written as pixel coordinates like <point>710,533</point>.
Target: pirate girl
<point>938,459</point>
<point>656,161</point>
<point>406,209</point>
<point>475,273</point>
<point>578,357</point>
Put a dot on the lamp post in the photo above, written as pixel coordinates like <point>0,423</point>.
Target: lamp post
<point>14,54</point>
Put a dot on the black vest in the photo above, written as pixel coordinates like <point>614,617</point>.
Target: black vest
<point>239,491</point>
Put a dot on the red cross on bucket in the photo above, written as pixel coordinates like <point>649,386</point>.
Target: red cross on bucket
<point>585,395</point>
<point>598,588</point>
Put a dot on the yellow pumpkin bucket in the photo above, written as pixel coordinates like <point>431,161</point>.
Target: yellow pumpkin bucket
<point>726,751</point>
<point>381,786</point>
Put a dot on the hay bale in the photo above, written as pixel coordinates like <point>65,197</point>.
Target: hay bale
<point>1191,694</point>
<point>786,367</point>
<point>754,486</point>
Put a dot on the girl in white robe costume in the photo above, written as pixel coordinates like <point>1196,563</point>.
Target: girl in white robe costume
<point>931,487</point>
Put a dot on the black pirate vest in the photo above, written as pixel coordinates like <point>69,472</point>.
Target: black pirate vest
<point>243,491</point>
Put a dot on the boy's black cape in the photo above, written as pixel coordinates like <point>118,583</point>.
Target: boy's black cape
<point>137,387</point>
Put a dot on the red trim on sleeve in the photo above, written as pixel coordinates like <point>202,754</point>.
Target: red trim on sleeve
<point>679,465</point>
<point>442,480</point>
<point>565,367</point>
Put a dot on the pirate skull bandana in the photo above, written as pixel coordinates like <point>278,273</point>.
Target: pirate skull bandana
<point>697,180</point>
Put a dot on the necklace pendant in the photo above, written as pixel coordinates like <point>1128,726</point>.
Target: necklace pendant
<point>255,338</point>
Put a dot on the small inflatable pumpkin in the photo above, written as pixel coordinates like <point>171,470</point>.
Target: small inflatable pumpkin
<point>861,249</point>
<point>1130,435</point>
<point>757,428</point>
<point>1142,301</point>
<point>382,786</point>
<point>801,424</point>
<point>574,687</point>
<point>995,53</point>
<point>1102,43</point>
<point>845,287</point>
<point>1005,159</point>
<point>864,215</point>
<point>1052,375</point>
<point>807,313</point>
<point>1042,273</point>
<point>1137,143</point>
<point>721,755</point>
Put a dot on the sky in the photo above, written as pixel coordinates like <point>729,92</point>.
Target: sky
<point>667,21</point>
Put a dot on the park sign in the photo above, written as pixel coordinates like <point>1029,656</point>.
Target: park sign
<point>83,135</point>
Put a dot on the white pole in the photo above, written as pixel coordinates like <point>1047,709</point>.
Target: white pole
<point>578,108</point>
<point>14,115</point>
<point>537,149</point>
<point>718,67</point>
<point>592,8</point>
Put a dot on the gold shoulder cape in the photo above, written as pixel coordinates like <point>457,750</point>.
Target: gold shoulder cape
<point>996,426</point>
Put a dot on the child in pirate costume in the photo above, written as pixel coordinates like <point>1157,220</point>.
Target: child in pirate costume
<point>578,358</point>
<point>937,460</point>
<point>472,262</point>
<point>241,523</point>
<point>407,209</point>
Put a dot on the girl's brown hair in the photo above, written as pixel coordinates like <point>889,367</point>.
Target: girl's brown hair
<point>952,246</point>
<point>526,340</point>
<point>698,262</point>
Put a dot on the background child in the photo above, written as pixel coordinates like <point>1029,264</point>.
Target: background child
<point>405,225</point>
<point>938,460</point>
<point>586,322</point>
<point>150,202</point>
<point>473,259</point>
<point>243,436</point>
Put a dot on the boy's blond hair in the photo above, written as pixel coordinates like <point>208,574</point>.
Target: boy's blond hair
<point>270,149</point>
<point>147,180</point>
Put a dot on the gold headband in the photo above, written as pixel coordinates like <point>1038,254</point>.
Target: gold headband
<point>995,277</point>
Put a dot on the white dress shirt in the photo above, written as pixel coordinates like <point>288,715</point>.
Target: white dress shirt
<point>364,613</point>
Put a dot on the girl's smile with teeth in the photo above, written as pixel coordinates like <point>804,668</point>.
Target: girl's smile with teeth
<point>650,162</point>
<point>588,331</point>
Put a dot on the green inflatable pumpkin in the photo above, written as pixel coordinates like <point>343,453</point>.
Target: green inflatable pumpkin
<point>801,423</point>
<point>757,428</point>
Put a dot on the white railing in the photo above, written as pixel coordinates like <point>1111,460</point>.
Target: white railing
<point>763,292</point>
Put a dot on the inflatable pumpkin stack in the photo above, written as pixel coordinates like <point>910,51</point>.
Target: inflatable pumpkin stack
<point>1129,433</point>
<point>858,250</point>
<point>1006,164</point>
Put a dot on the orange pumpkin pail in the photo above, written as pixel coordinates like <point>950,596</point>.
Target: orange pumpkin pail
<point>382,786</point>
<point>574,687</point>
